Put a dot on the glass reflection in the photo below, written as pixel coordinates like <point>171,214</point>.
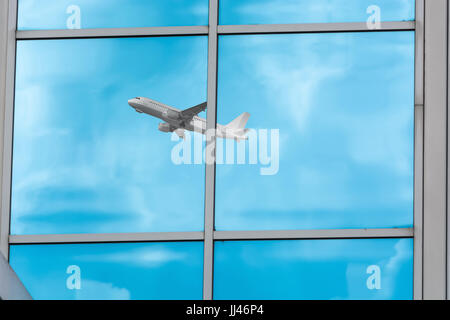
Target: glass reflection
<point>84,14</point>
<point>317,11</point>
<point>314,269</point>
<point>84,160</point>
<point>344,107</point>
<point>114,271</point>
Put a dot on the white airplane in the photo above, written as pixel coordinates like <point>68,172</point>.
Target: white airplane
<point>178,121</point>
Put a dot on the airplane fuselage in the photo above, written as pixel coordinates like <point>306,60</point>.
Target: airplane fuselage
<point>168,114</point>
<point>177,121</point>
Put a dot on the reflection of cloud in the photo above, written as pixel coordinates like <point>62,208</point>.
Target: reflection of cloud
<point>145,257</point>
<point>291,78</point>
<point>290,11</point>
<point>272,10</point>
<point>323,250</point>
<point>200,9</point>
<point>390,272</point>
<point>351,257</point>
<point>392,282</point>
<point>291,89</point>
<point>113,13</point>
<point>95,290</point>
<point>407,8</point>
<point>390,148</point>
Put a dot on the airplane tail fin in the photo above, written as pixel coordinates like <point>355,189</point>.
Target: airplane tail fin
<point>239,123</point>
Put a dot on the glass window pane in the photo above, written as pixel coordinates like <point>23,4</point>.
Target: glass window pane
<point>85,14</point>
<point>84,160</point>
<point>111,271</point>
<point>314,11</point>
<point>343,155</point>
<point>314,269</point>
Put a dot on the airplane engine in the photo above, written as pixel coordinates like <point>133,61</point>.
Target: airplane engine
<point>180,133</point>
<point>164,127</point>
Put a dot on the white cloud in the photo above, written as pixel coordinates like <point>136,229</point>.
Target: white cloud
<point>200,10</point>
<point>316,251</point>
<point>390,270</point>
<point>291,81</point>
<point>145,257</point>
<point>94,290</point>
<point>389,148</point>
<point>289,11</point>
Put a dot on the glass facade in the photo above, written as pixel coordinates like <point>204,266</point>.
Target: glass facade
<point>314,269</point>
<point>84,161</point>
<point>344,107</point>
<point>234,12</point>
<point>87,14</point>
<point>327,153</point>
<point>114,271</point>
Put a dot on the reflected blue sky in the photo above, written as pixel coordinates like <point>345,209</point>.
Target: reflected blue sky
<point>51,14</point>
<point>112,271</point>
<point>307,11</point>
<point>84,160</point>
<point>344,104</point>
<point>313,269</point>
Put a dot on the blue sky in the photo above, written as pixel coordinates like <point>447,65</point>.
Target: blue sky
<point>84,160</point>
<point>119,271</point>
<point>307,11</point>
<point>312,269</point>
<point>344,105</point>
<point>50,14</point>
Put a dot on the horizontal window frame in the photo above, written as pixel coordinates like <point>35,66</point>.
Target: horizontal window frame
<point>217,236</point>
<point>111,33</point>
<point>221,30</point>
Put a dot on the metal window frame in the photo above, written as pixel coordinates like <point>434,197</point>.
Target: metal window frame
<point>209,235</point>
<point>211,122</point>
<point>3,63</point>
<point>419,148</point>
<point>448,158</point>
<point>435,151</point>
<point>8,127</point>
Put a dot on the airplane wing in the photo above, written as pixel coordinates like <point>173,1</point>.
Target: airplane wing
<point>192,112</point>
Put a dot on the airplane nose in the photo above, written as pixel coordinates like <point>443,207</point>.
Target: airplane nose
<point>132,103</point>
